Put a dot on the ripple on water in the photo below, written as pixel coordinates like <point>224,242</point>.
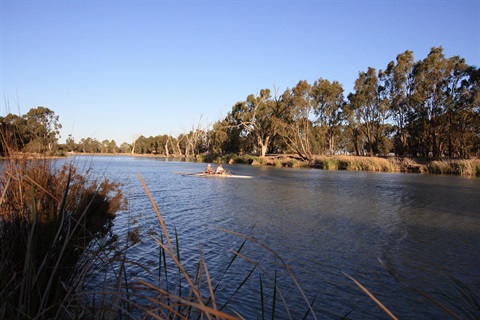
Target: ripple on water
<point>322,224</point>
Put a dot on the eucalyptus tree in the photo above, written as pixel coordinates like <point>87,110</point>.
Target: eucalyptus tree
<point>105,144</point>
<point>144,145</point>
<point>135,136</point>
<point>225,136</point>
<point>125,147</point>
<point>172,144</point>
<point>181,144</point>
<point>70,144</point>
<point>352,138</point>
<point>468,115</point>
<point>90,145</point>
<point>328,101</point>
<point>162,143</point>
<point>254,117</point>
<point>13,133</point>
<point>150,145</point>
<point>156,144</point>
<point>195,139</point>
<point>296,125</point>
<point>368,107</point>
<point>218,137</point>
<point>397,84</point>
<point>430,100</point>
<point>112,146</point>
<point>139,145</point>
<point>454,105</point>
<point>462,116</point>
<point>43,126</point>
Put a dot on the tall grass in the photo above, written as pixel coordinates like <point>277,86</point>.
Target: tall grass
<point>356,163</point>
<point>49,220</point>
<point>195,295</point>
<point>457,167</point>
<point>353,163</point>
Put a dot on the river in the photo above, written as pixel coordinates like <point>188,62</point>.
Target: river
<point>323,224</point>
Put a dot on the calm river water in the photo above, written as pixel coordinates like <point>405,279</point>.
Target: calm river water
<point>323,224</point>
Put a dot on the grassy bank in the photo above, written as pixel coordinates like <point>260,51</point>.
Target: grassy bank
<point>460,167</point>
<point>354,163</point>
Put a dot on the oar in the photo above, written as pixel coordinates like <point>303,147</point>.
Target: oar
<point>187,173</point>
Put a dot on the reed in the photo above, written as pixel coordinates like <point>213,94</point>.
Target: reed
<point>353,163</point>
<point>194,295</point>
<point>277,163</point>
<point>458,167</point>
<point>53,223</point>
<point>460,303</point>
<point>247,159</point>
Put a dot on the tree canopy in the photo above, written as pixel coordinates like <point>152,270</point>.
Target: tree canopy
<point>37,131</point>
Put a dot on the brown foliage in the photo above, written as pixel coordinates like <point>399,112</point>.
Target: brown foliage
<point>49,217</point>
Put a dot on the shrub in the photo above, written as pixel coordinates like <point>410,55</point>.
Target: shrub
<point>329,164</point>
<point>277,163</point>
<point>460,167</point>
<point>49,219</point>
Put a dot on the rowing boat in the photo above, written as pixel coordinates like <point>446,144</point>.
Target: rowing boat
<point>214,175</point>
<point>226,175</point>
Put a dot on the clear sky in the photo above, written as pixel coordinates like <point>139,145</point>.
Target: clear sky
<point>119,69</point>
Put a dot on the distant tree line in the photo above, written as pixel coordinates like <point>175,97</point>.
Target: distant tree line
<point>425,108</point>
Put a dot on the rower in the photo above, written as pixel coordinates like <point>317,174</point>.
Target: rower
<point>209,169</point>
<point>220,170</point>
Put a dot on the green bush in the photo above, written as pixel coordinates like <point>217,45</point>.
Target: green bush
<point>330,164</point>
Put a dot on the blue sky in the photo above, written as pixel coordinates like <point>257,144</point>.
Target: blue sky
<point>119,69</point>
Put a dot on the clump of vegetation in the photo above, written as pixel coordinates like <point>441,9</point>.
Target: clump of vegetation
<point>54,222</point>
<point>329,164</point>
<point>368,164</point>
<point>459,167</point>
<point>34,132</point>
<point>356,163</point>
<point>242,159</point>
<point>294,163</point>
<point>408,165</point>
<point>277,163</point>
<point>353,163</point>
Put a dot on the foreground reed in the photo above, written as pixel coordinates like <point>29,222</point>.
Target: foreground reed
<point>53,224</point>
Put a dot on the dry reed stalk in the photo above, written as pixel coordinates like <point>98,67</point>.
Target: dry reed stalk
<point>371,296</point>
<point>195,299</point>
<point>284,264</point>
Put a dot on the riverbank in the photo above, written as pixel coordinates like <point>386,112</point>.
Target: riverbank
<point>461,167</point>
<point>469,167</point>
